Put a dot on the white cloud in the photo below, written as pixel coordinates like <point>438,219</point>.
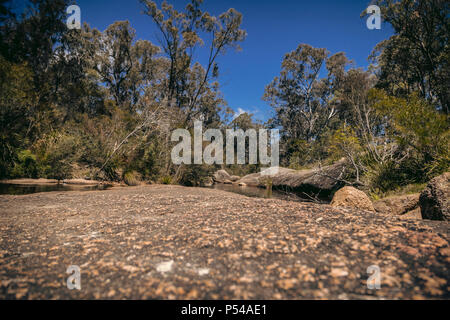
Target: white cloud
<point>241,111</point>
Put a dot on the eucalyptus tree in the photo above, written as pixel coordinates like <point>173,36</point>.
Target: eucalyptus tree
<point>357,112</point>
<point>417,56</point>
<point>304,103</point>
<point>122,63</point>
<point>191,86</point>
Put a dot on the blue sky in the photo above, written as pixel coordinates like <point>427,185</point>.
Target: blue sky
<point>274,28</point>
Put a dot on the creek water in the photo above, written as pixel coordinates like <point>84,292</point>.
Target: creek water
<point>20,189</point>
<point>255,192</point>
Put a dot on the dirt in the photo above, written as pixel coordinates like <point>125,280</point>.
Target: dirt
<point>170,242</point>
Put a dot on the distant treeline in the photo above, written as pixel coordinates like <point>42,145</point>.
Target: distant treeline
<point>102,105</point>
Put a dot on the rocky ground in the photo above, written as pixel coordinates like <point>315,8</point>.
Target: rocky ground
<point>169,242</point>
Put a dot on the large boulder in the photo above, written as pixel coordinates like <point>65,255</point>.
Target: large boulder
<point>326,179</point>
<point>352,198</point>
<point>317,182</point>
<point>251,180</point>
<point>434,200</point>
<point>221,176</point>
<point>398,205</point>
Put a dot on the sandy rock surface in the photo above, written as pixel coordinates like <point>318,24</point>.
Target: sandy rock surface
<point>169,242</point>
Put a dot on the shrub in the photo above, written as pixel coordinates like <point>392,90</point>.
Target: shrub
<point>25,166</point>
<point>195,175</point>
<point>57,151</point>
<point>421,133</point>
<point>166,180</point>
<point>131,178</point>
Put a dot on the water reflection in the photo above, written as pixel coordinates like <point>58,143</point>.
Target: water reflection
<point>255,192</point>
<point>20,189</point>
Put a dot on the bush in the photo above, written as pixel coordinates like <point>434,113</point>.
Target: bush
<point>132,178</point>
<point>422,135</point>
<point>345,143</point>
<point>377,194</point>
<point>166,180</point>
<point>195,175</point>
<point>57,151</point>
<point>25,166</point>
<point>147,160</point>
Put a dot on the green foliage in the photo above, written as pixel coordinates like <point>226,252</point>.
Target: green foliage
<point>344,143</point>
<point>16,99</point>
<point>378,194</point>
<point>416,57</point>
<point>147,159</point>
<point>166,180</point>
<point>301,154</point>
<point>131,178</point>
<point>26,165</point>
<point>196,175</point>
<point>302,101</point>
<point>56,153</point>
<point>421,132</point>
<point>102,100</point>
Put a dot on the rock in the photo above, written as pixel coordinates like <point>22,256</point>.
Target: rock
<point>352,198</point>
<point>326,179</point>
<point>415,214</point>
<point>164,267</point>
<point>397,205</point>
<point>317,182</point>
<point>234,178</point>
<point>434,200</point>
<point>242,184</point>
<point>251,180</point>
<point>221,175</point>
<point>203,271</point>
<point>82,182</point>
<point>405,206</point>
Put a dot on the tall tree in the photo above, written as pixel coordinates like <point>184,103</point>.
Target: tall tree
<point>189,84</point>
<point>417,56</point>
<point>303,101</point>
<point>31,39</point>
<point>114,60</point>
<point>16,98</point>
<point>357,112</point>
